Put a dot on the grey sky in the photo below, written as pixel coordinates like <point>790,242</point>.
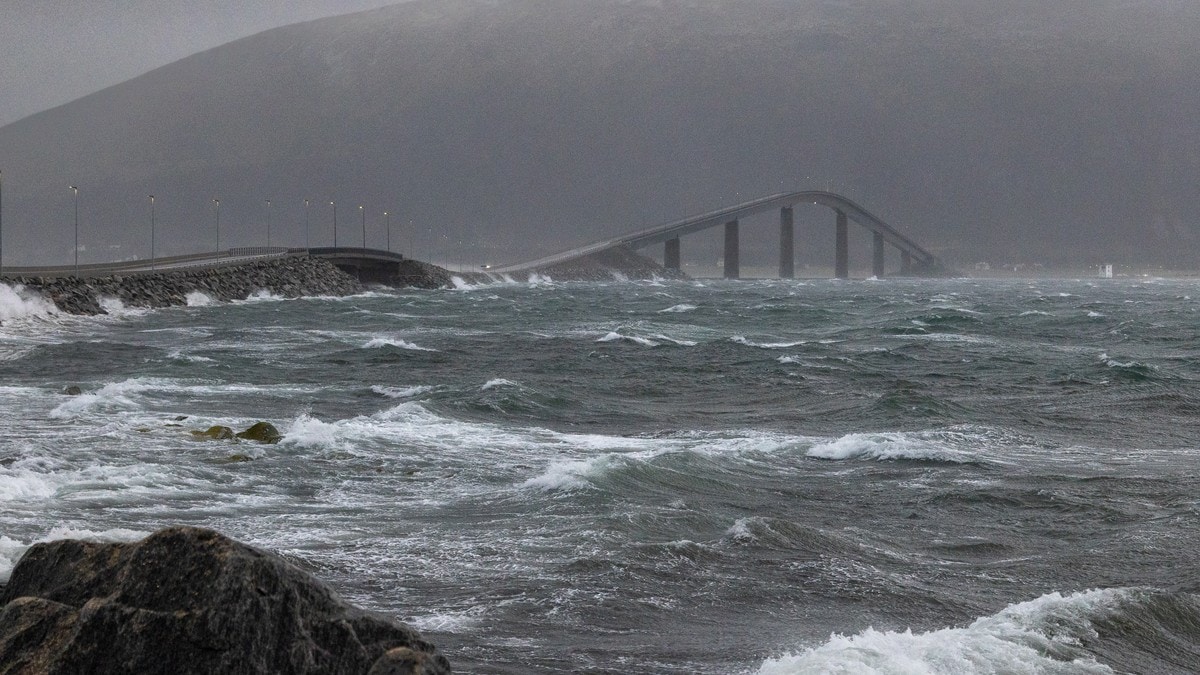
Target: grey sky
<point>55,51</point>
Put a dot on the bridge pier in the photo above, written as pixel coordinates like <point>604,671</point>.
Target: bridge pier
<point>842,253</point>
<point>905,263</point>
<point>877,266</point>
<point>732,268</point>
<point>787,244</point>
<point>671,257</point>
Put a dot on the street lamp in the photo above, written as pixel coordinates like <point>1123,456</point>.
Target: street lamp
<point>364,224</point>
<point>334,205</point>
<point>1,221</point>
<point>305,223</point>
<point>76,191</point>
<point>268,223</point>
<point>218,210</point>
<point>152,257</point>
<point>388,216</point>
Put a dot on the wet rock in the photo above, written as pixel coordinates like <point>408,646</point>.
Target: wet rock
<point>72,390</point>
<point>263,432</point>
<point>219,433</point>
<point>190,600</point>
<point>404,661</point>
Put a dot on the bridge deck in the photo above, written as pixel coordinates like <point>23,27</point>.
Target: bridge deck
<point>672,230</point>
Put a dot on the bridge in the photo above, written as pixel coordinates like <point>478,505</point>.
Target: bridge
<point>365,264</point>
<point>914,260</point>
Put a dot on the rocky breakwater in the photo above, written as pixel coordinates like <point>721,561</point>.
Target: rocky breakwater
<point>289,277</point>
<point>189,600</point>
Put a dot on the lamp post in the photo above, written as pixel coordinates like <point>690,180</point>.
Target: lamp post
<point>1,222</point>
<point>387,216</point>
<point>268,223</point>
<point>363,213</point>
<point>334,205</point>
<point>218,211</point>
<point>153,265</point>
<point>76,191</point>
<point>306,223</point>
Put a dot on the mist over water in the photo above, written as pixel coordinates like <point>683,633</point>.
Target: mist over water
<point>658,477</point>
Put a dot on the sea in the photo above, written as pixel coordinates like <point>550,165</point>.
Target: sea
<point>734,477</point>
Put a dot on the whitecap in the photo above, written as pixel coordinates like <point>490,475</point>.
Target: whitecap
<point>614,336</point>
<point>678,309</point>
<point>401,392</point>
<point>888,446</point>
<point>380,342</point>
<point>498,382</point>
<point>741,340</point>
<point>1040,636</point>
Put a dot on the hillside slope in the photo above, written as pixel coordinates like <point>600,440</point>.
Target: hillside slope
<point>1012,129</point>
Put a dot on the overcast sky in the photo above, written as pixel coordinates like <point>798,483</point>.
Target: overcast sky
<point>55,51</point>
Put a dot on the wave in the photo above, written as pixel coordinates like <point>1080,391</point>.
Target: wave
<point>1131,370</point>
<point>741,340</point>
<point>18,302</point>
<point>678,309</point>
<point>890,446</point>
<point>199,299</point>
<point>498,382</point>
<point>1055,633</point>
<point>401,392</point>
<point>614,336</point>
<point>380,342</point>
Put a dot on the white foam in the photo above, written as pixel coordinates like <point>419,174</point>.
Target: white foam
<point>12,550</point>
<point>178,355</point>
<point>498,382</point>
<point>1039,636</point>
<point>380,342</point>
<point>678,309</point>
<point>19,484</point>
<point>1113,363</point>
<point>536,279</point>
<point>263,295</point>
<point>199,299</point>
<point>18,302</point>
<point>887,446</point>
<point>113,396</point>
<point>401,392</point>
<point>614,336</point>
<point>569,475</point>
<point>741,340</point>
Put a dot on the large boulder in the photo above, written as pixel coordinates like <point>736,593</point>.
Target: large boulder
<point>190,600</point>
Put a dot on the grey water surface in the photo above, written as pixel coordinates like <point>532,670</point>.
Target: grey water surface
<point>660,477</point>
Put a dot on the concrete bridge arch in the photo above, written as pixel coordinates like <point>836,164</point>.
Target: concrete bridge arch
<point>915,260</point>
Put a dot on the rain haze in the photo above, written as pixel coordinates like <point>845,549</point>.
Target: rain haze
<point>1009,133</point>
<point>56,51</point>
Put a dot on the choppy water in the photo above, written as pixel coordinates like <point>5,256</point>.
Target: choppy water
<point>717,477</point>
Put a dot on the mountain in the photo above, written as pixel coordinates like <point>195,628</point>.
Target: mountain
<point>497,130</point>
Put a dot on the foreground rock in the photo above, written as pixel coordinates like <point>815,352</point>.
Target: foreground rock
<point>189,600</point>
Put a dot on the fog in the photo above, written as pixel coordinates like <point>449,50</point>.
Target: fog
<point>1011,131</point>
<point>55,51</point>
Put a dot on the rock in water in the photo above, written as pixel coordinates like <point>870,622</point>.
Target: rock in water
<point>219,433</point>
<point>263,432</point>
<point>190,600</point>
